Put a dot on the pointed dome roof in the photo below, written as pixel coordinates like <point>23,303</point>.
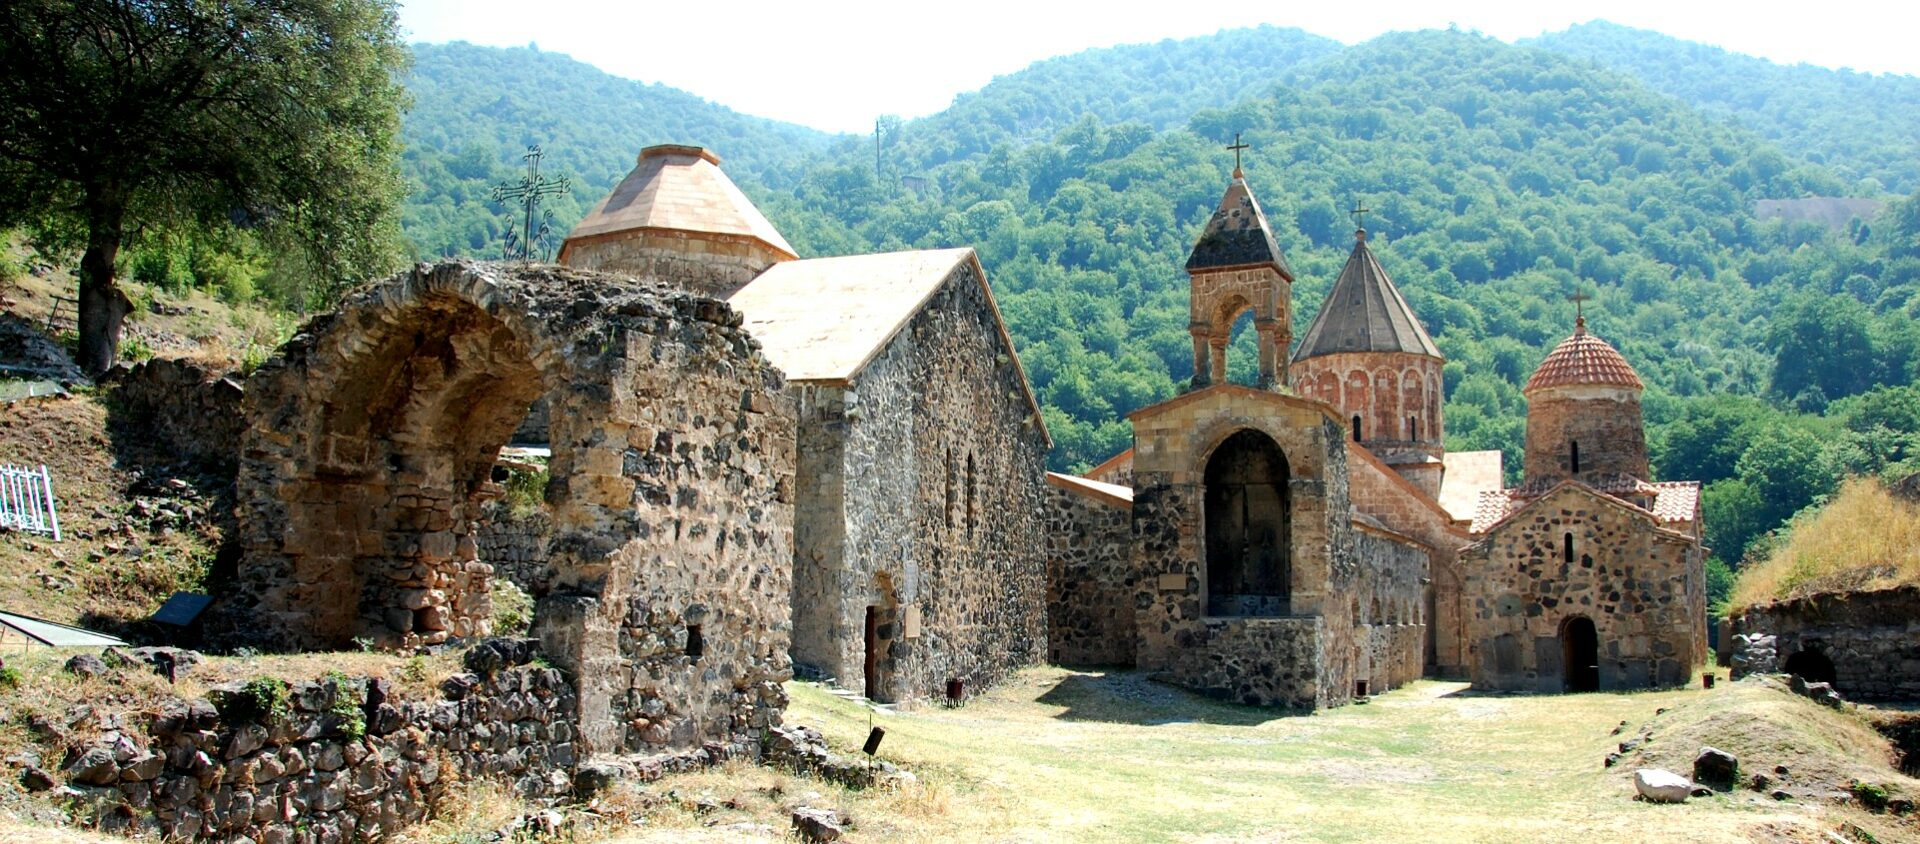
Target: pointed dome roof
<point>1237,235</point>
<point>1583,360</point>
<point>1364,312</point>
<point>675,187</point>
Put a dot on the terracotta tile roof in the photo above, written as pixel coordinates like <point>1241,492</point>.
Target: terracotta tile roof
<point>1237,235</point>
<point>1674,502</point>
<point>1583,359</point>
<point>1469,473</point>
<point>679,188</point>
<point>1114,494</point>
<point>1364,312</point>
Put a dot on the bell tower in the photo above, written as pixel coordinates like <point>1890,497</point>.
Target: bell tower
<point>1237,267</point>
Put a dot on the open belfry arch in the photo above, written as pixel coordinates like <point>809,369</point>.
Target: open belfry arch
<point>369,452</point>
<point>1236,267</point>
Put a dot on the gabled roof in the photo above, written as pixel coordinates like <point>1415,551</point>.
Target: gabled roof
<point>1583,360</point>
<point>1231,389</point>
<point>679,188</point>
<point>1364,312</point>
<point>1114,494</point>
<point>824,319</point>
<point>1673,504</point>
<point>1237,235</point>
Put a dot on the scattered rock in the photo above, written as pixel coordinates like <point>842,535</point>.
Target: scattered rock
<point>1612,759</point>
<point>1780,794</point>
<point>817,825</point>
<point>32,778</point>
<point>1701,791</point>
<point>1716,768</point>
<point>1760,782</point>
<point>86,665</point>
<point>1658,786</point>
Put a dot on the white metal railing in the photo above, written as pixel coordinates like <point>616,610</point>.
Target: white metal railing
<point>26,500</point>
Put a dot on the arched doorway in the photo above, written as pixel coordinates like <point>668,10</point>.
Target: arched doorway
<point>1811,666</point>
<point>1248,528</point>
<point>1580,654</point>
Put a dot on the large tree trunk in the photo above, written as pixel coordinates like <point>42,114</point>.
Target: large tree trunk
<point>102,304</point>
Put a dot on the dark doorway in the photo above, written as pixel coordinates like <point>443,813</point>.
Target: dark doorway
<point>1248,528</point>
<point>1580,654</point>
<point>1811,666</point>
<point>872,670</point>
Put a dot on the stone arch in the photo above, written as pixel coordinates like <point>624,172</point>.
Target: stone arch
<point>1248,527</point>
<point>1434,397</point>
<point>1810,665</point>
<point>1326,387</point>
<point>370,442</point>
<point>1357,399</point>
<point>1413,405</point>
<point>1579,654</point>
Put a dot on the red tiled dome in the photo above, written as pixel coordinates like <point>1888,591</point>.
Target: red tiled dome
<point>1583,359</point>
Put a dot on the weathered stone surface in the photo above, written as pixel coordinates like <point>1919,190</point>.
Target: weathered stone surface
<point>1715,767</point>
<point>193,409</point>
<point>1658,786</point>
<point>817,825</point>
<point>86,665</point>
<point>1090,582</point>
<point>1863,643</point>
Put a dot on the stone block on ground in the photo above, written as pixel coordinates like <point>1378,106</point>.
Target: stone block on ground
<point>817,825</point>
<point>1716,768</point>
<point>1658,786</point>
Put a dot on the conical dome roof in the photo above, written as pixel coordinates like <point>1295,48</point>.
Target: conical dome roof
<point>1237,235</point>
<point>1583,360</point>
<point>675,187</point>
<point>1364,312</point>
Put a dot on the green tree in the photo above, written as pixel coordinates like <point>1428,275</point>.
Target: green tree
<point>279,115</point>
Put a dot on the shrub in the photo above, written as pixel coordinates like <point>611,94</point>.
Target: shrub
<point>258,702</point>
<point>512,608</point>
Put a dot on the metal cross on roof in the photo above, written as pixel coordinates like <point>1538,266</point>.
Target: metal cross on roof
<point>1579,312</point>
<point>1359,213</point>
<point>1237,146</point>
<point>527,193</point>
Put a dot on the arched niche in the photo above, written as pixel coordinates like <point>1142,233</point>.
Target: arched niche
<point>1248,527</point>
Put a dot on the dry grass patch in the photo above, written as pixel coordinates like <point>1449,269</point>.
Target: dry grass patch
<point>1864,538</point>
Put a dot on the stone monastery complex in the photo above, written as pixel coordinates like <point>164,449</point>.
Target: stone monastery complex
<point>762,466</point>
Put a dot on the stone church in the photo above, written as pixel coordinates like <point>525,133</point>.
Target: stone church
<point>920,448</point>
<point>1586,577</point>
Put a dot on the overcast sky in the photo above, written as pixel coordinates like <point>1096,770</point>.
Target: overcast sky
<point>837,65</point>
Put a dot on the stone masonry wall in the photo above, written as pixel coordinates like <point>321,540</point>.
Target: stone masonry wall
<point>1305,661</point>
<point>1604,421</point>
<point>1381,493</point>
<point>706,264</point>
<point>188,771</point>
<point>196,410</point>
<point>1643,589</point>
<point>1090,586</point>
<point>940,510</point>
<point>1872,639</point>
<point>1388,604</point>
<point>516,545</point>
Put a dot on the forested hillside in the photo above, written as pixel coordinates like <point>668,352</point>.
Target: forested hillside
<point>476,109</point>
<point>1862,126</point>
<point>1502,180</point>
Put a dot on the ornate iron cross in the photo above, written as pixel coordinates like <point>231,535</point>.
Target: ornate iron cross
<point>529,241</point>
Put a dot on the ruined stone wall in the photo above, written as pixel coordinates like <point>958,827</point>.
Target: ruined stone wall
<point>940,523</point>
<point>829,592</point>
<point>516,546</point>
<point>1870,639</point>
<point>1090,585</point>
<point>705,264</point>
<point>187,771</point>
<point>368,461</point>
<point>1643,588</point>
<point>1304,661</point>
<point>193,409</point>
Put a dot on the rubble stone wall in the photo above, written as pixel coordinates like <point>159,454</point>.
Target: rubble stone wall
<point>367,465</point>
<point>1605,423</point>
<point>1389,603</point>
<point>1395,502</point>
<point>938,519</point>
<point>701,263</point>
<point>194,409</point>
<point>1871,639</point>
<point>516,546</point>
<point>1090,587</point>
<point>346,761</point>
<point>1643,589</point>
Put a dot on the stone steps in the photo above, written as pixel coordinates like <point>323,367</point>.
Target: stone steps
<point>852,696</point>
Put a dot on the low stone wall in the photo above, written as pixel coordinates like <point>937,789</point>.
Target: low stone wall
<point>1090,612</point>
<point>344,761</point>
<point>1254,661</point>
<point>192,408</point>
<point>1869,640</point>
<point>516,545</point>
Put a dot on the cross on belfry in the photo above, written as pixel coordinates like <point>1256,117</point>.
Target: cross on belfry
<point>527,193</point>
<point>1360,213</point>
<point>1237,146</point>
<point>1579,312</point>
